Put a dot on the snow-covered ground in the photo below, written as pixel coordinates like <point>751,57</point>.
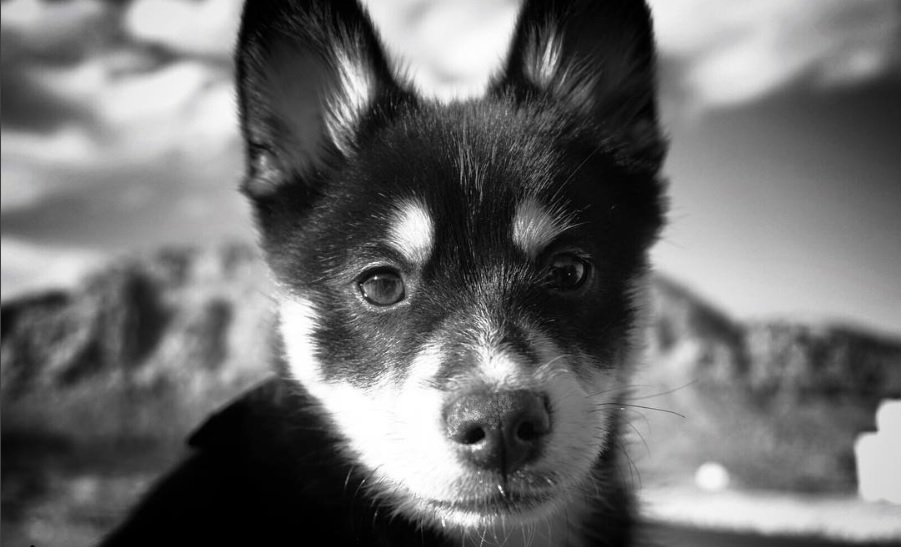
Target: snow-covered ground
<point>842,518</point>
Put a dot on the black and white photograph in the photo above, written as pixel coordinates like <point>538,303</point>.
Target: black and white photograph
<point>463,273</point>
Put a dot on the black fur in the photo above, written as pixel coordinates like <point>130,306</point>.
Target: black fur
<point>322,174</point>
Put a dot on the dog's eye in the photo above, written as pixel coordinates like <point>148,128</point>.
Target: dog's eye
<point>382,287</point>
<point>566,272</point>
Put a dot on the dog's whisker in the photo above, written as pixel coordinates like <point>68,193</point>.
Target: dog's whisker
<point>661,393</point>
<point>626,405</point>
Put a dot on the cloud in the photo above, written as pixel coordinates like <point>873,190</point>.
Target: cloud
<point>33,166</point>
<point>95,90</point>
<point>729,53</point>
<point>85,104</point>
<point>205,28</point>
<point>30,267</point>
<point>56,32</point>
<point>88,92</point>
<point>449,47</point>
<point>719,53</point>
<point>181,115</point>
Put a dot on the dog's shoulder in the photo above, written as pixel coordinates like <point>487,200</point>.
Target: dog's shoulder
<point>228,428</point>
<point>264,470</point>
<point>205,500</point>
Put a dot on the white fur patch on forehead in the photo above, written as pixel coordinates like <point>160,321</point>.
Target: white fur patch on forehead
<point>411,231</point>
<point>535,226</point>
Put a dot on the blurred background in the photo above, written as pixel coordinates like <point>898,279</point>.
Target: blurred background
<point>133,303</point>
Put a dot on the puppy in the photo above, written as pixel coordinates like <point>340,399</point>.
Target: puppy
<point>459,289</point>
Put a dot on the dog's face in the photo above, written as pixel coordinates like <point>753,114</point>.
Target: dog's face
<point>458,282</point>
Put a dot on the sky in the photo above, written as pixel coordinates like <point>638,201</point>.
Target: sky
<point>119,135</point>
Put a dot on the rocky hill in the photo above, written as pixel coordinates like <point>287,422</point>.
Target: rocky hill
<point>693,340</point>
<point>148,347</point>
<point>145,348</point>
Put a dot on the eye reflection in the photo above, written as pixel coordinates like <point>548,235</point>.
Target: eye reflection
<point>382,287</point>
<point>566,272</point>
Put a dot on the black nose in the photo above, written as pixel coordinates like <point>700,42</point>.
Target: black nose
<point>498,431</point>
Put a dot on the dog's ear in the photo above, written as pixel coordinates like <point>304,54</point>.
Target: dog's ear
<point>596,56</point>
<point>309,72</point>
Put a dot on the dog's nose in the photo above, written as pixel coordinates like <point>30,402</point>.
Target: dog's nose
<point>498,431</point>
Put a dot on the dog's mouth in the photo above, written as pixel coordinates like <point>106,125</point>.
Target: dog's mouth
<point>501,502</point>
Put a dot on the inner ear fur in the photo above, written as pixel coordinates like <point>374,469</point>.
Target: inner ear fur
<point>596,57</point>
<point>309,73</point>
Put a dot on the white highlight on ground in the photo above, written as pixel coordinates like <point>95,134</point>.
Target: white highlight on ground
<point>838,517</point>
<point>712,477</point>
<point>878,456</point>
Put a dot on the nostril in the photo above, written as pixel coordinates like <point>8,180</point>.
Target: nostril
<point>527,431</point>
<point>472,435</point>
<point>469,420</point>
<point>532,424</point>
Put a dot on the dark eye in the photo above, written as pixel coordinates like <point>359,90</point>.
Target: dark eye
<point>566,272</point>
<point>382,287</point>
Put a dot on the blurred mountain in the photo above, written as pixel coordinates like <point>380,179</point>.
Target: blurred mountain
<point>778,404</point>
<point>144,348</point>
<point>692,340</point>
<point>148,347</point>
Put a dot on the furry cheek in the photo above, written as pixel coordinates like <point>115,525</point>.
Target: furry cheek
<point>581,427</point>
<point>393,430</point>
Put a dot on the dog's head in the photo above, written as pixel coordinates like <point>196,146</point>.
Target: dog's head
<point>458,281</point>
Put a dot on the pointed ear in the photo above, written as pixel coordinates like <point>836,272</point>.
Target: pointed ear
<point>598,58</point>
<point>309,73</point>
